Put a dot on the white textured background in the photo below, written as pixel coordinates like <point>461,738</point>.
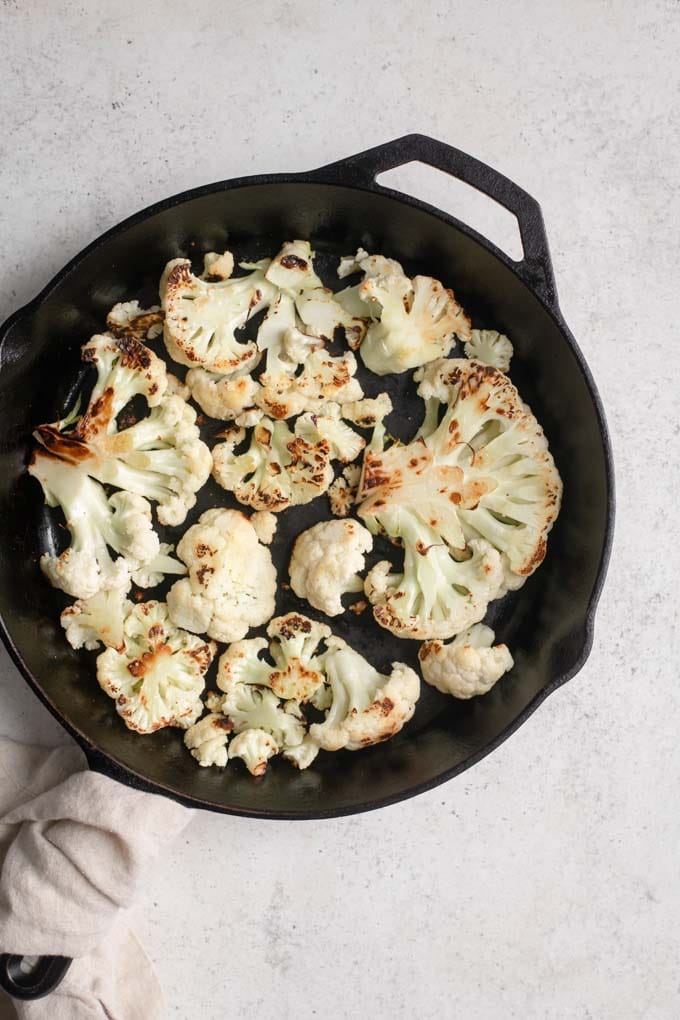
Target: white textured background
<point>544,883</point>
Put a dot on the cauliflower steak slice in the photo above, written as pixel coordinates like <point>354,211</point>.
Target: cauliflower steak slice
<point>471,499</point>
<point>203,313</point>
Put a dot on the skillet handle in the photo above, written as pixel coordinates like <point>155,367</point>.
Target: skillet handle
<point>42,979</point>
<point>361,170</point>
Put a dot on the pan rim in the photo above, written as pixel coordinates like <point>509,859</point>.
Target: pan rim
<point>122,772</point>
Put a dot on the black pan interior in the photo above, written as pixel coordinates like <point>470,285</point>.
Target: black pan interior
<point>545,624</point>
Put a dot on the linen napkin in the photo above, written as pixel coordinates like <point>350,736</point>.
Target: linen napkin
<point>74,847</point>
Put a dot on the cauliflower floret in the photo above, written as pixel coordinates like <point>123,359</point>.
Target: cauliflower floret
<point>202,315</point>
<point>280,468</point>
<point>249,707</point>
<point>207,740</point>
<point>297,670</point>
<point>158,677</point>
<point>355,300</point>
<point>218,267</point>
<point>326,562</point>
<point>125,368</point>
<point>153,572</point>
<point>97,523</point>
<point>176,387</point>
<point>232,581</point>
<point>326,378</point>
<point>292,270</point>
<point>265,524</point>
<point>303,755</point>
<point>367,707</point>
<point>283,391</point>
<point>368,412</point>
<point>97,620</point>
<point>490,347</point>
<point>468,666</point>
<point>434,596</point>
<point>321,315</point>
<point>128,319</point>
<point>415,321</point>
<point>224,397</point>
<point>161,457</point>
<point>342,493</point>
<point>369,265</point>
<point>294,642</point>
<point>345,444</point>
<point>255,747</point>
<point>297,346</point>
<point>483,472</point>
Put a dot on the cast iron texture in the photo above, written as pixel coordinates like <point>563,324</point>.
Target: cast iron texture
<point>548,624</point>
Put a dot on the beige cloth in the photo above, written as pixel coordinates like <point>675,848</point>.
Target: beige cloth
<point>74,847</point>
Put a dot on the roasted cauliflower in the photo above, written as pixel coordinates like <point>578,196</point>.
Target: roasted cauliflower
<point>475,487</point>
<point>232,581</point>
<point>326,563</point>
<point>157,678</point>
<point>366,707</point>
<point>468,666</point>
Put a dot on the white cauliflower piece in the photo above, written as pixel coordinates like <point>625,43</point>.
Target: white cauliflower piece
<point>218,266</point>
<point>480,480</point>
<point>128,319</point>
<point>283,390</point>
<point>294,643</point>
<point>207,740</point>
<point>326,563</point>
<point>368,412</point>
<point>322,314</point>
<point>297,669</point>
<point>345,445</point>
<point>265,524</point>
<point>232,581</point>
<point>490,347</point>
<point>416,322</point>
<point>279,469</point>
<point>342,493</point>
<point>369,265</point>
<point>153,572</point>
<point>97,523</point>
<point>203,315</point>
<point>255,747</point>
<point>297,346</point>
<point>158,677</point>
<point>97,620</point>
<point>292,270</point>
<point>161,457</point>
<point>468,666</point>
<point>303,755</point>
<point>224,397</point>
<point>176,387</point>
<point>249,707</point>
<point>367,707</point>
<point>125,368</point>
<point>434,595</point>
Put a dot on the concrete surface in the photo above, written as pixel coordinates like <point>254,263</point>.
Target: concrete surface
<point>544,883</point>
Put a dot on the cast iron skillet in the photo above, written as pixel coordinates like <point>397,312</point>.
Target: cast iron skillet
<point>548,624</point>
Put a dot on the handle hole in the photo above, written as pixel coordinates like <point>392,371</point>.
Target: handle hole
<point>461,200</point>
